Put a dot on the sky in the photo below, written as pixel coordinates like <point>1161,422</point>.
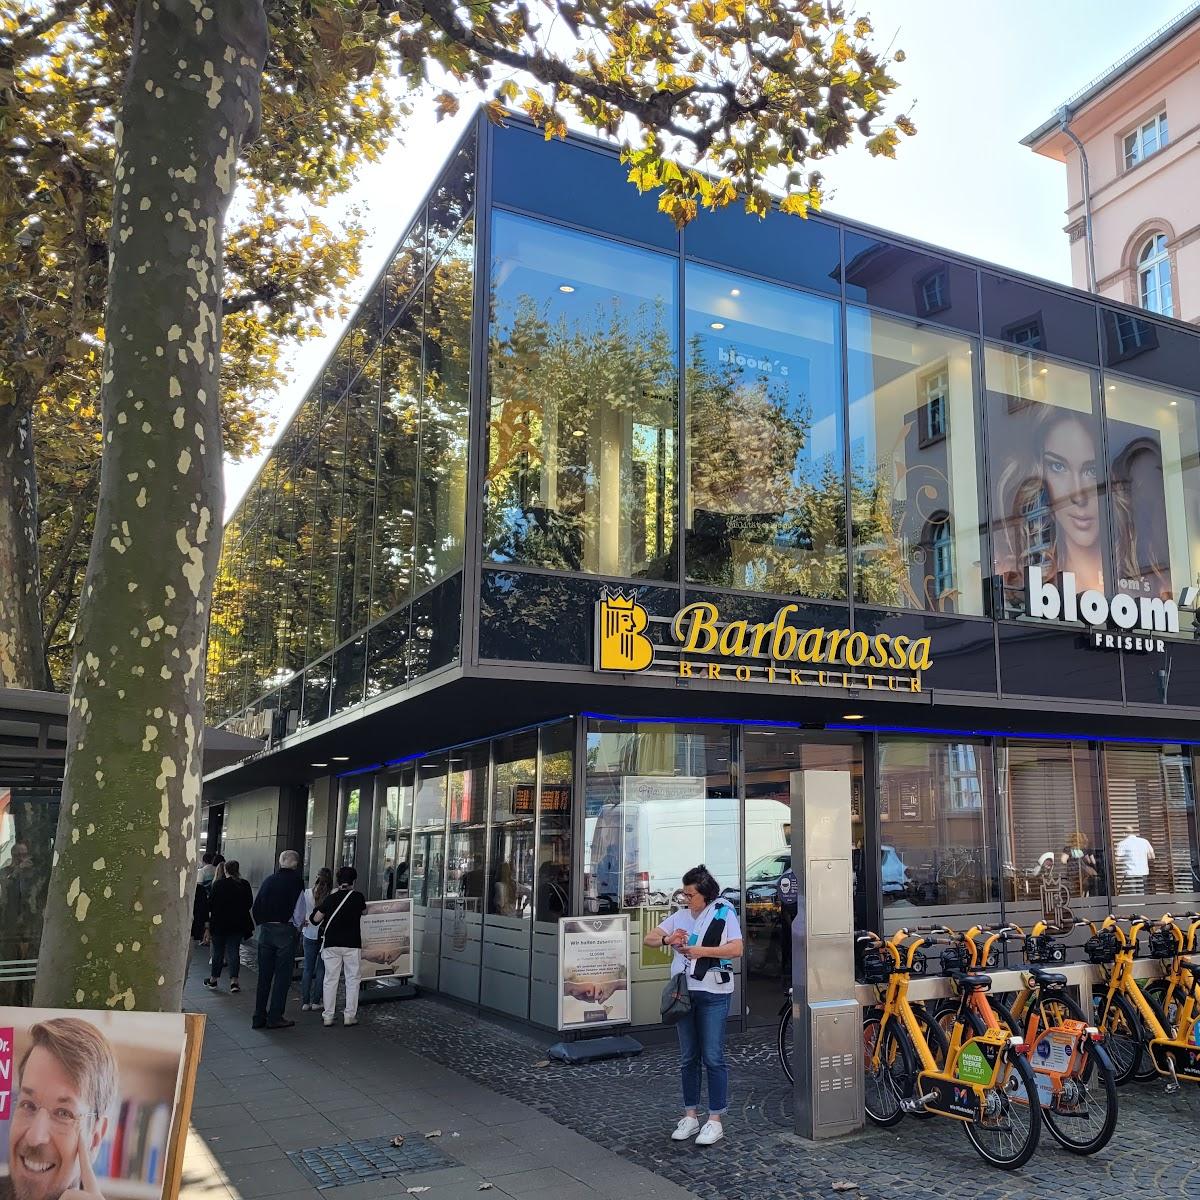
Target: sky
<point>978,77</point>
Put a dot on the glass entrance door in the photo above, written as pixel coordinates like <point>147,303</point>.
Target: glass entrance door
<point>776,762</point>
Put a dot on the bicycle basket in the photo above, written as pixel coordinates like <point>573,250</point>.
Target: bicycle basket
<point>1102,948</point>
<point>875,966</point>
<point>1163,943</point>
<point>955,958</point>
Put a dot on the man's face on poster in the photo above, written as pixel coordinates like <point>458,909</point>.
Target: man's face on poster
<point>50,1127</point>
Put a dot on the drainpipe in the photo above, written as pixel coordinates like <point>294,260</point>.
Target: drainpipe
<point>1064,121</point>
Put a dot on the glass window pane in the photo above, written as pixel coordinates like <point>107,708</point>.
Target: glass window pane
<point>1151,350</point>
<point>305,501</point>
<point>436,628</point>
<point>553,896</point>
<point>1154,467</point>
<point>358,502</point>
<point>1045,472</point>
<point>445,405</point>
<point>428,871</point>
<point>582,425</point>
<point>582,185</point>
<point>804,251</point>
<point>396,495</point>
<point>327,531</point>
<point>348,665</point>
<point>766,479</point>
<point>453,197</point>
<point>915,466</point>
<point>660,800</point>
<point>936,809</point>
<point>1038,319</point>
<point>1053,843</point>
<point>1152,818</point>
<point>316,693</point>
<point>387,654</point>
<point>27,825</point>
<point>394,815</point>
<point>404,272</point>
<point>514,794</point>
<point>891,276</point>
<point>467,847</point>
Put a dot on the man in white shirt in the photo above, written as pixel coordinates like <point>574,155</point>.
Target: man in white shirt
<point>1134,856</point>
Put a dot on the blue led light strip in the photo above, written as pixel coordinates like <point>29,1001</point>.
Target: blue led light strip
<point>358,771</point>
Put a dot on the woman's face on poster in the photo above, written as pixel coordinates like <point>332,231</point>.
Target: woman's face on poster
<point>1071,474</point>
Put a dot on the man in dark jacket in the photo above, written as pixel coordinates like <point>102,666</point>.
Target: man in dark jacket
<point>273,908</point>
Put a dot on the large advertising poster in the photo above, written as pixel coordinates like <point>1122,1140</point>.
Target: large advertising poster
<point>387,935</point>
<point>593,971</point>
<point>94,1103</point>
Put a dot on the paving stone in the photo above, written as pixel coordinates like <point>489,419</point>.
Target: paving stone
<point>343,1163</point>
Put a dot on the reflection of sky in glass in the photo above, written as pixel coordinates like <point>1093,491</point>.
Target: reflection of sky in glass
<point>786,338</point>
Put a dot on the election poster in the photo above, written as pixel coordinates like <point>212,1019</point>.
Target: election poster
<point>95,1102</point>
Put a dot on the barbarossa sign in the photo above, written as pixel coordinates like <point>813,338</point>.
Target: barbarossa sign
<point>622,643</point>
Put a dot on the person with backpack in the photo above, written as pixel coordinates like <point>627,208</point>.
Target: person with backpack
<point>337,919</point>
<point>704,938</point>
<point>229,922</point>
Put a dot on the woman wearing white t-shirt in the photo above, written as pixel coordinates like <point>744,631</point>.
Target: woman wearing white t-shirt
<point>705,937</point>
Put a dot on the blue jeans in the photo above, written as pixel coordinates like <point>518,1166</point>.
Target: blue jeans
<point>276,960</point>
<point>702,1040</point>
<point>225,947</point>
<point>313,979</point>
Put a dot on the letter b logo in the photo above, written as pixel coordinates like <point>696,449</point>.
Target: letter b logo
<point>621,642</point>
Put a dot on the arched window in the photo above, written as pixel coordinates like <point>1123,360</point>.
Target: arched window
<point>941,546</point>
<point>1154,276</point>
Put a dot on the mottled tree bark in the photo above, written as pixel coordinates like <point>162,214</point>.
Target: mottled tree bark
<point>22,658</point>
<point>119,904</point>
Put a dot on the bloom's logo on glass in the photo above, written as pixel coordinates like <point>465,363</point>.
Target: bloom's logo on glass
<point>621,642</point>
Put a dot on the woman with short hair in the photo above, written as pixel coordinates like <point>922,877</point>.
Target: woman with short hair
<point>705,938</point>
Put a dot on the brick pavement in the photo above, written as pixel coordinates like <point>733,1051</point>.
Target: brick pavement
<point>600,1130</point>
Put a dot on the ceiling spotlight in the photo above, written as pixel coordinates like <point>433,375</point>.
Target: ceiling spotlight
<point>318,764</point>
<point>340,757</point>
<point>1174,403</point>
<point>565,287</point>
<point>735,291</point>
<point>716,325</point>
<point>852,716</point>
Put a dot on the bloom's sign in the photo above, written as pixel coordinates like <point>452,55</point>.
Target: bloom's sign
<point>775,651</point>
<point>1119,622</point>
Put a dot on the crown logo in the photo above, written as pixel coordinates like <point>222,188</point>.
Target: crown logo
<point>621,641</point>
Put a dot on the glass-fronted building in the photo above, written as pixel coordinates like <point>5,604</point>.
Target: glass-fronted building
<point>593,536</point>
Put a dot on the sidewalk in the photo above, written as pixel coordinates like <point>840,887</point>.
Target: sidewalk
<point>262,1096</point>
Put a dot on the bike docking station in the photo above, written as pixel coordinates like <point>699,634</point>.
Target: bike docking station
<point>826,1014</point>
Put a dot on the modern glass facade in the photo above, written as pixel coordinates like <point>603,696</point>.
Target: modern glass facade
<point>552,394</point>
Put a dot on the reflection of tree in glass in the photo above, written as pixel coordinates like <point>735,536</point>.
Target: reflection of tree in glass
<point>755,498</point>
<point>557,468</point>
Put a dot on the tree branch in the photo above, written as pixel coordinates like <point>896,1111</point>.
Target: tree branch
<point>56,14</point>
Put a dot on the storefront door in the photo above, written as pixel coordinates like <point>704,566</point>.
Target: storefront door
<point>775,763</point>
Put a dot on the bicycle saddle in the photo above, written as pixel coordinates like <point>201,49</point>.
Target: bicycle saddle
<point>1048,978</point>
<point>971,982</point>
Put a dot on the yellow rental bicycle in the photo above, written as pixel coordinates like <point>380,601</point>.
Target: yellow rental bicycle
<point>983,1081</point>
<point>1133,1022</point>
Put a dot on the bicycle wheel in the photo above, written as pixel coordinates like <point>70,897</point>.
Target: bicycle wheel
<point>1007,1134</point>
<point>1146,1070</point>
<point>892,1079</point>
<point>1005,1014</point>
<point>1086,1112</point>
<point>785,1041</point>
<point>1122,1034</point>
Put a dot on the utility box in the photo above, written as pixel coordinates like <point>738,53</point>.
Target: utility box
<point>826,1017</point>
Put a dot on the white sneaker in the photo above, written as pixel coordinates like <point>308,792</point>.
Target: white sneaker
<point>685,1129</point>
<point>713,1131</point>
<point>327,1021</point>
<point>349,1020</point>
<point>305,1007</point>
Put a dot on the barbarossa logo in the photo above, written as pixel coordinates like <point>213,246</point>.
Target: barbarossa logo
<point>621,641</point>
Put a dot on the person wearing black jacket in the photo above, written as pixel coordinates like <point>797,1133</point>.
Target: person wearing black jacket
<point>229,921</point>
<point>337,917</point>
<point>273,909</point>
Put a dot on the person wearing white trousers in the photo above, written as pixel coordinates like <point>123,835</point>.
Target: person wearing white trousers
<point>338,917</point>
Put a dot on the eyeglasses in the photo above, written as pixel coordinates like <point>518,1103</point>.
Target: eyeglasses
<point>65,1120</point>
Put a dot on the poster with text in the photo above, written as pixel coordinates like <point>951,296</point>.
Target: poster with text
<point>387,938</point>
<point>94,1103</point>
<point>593,971</point>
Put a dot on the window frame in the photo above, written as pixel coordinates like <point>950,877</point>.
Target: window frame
<point>1152,266</point>
<point>1135,142</point>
